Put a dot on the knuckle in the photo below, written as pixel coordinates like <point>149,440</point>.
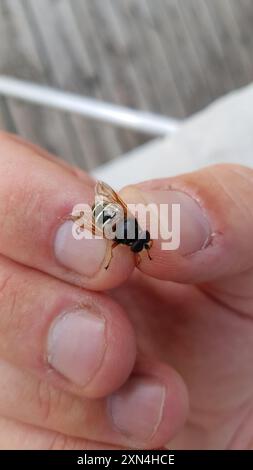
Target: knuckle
<point>13,291</point>
<point>5,281</point>
<point>18,215</point>
<point>9,304</point>
<point>64,442</point>
<point>54,403</point>
<point>232,186</point>
<point>229,169</point>
<point>59,442</point>
<point>8,298</point>
<point>48,400</point>
<point>31,208</point>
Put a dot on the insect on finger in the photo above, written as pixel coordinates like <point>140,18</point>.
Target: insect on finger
<point>112,220</point>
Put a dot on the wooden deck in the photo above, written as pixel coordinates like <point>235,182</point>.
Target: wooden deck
<point>167,56</point>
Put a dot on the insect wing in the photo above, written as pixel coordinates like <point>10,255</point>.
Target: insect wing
<point>85,220</point>
<point>105,194</point>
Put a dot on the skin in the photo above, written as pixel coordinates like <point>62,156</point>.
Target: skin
<point>198,336</point>
<point>185,319</point>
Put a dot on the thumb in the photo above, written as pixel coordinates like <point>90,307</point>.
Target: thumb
<point>216,223</point>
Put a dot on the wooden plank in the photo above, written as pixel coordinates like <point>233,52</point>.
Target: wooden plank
<point>150,64</point>
<point>213,77</point>
<point>236,23</point>
<point>167,56</point>
<point>6,120</point>
<point>98,19</point>
<point>72,65</point>
<point>107,67</point>
<point>41,24</point>
<point>18,57</point>
<point>176,47</point>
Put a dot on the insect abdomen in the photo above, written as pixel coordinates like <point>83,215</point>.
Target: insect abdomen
<point>127,231</point>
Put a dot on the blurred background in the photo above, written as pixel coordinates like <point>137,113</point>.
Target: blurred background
<point>171,57</point>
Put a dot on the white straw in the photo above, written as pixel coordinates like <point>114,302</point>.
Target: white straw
<point>148,123</point>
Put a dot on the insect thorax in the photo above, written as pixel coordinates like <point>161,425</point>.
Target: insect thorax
<point>107,213</point>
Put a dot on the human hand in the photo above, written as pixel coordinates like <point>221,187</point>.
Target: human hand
<point>64,350</point>
<point>193,308</point>
<point>195,317</point>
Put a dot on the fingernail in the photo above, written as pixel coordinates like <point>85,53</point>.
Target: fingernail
<point>76,345</point>
<point>195,229</point>
<point>137,408</point>
<point>84,256</point>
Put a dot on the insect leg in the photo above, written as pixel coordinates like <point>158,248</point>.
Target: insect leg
<point>148,253</point>
<point>110,251</point>
<point>73,218</point>
<point>148,246</point>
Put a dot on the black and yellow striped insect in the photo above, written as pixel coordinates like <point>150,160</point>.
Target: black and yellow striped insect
<point>110,212</point>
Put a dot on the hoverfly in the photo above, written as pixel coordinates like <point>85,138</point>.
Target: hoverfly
<point>110,211</point>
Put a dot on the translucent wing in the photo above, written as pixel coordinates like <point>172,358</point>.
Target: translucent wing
<point>84,220</point>
<point>105,193</point>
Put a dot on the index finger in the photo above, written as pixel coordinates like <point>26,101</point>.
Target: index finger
<point>35,196</point>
